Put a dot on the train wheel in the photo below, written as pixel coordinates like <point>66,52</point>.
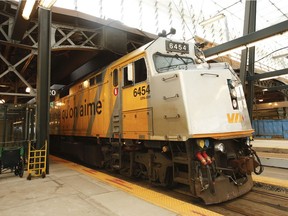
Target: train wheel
<point>21,169</point>
<point>29,177</point>
<point>21,174</point>
<point>210,180</point>
<point>16,171</point>
<point>43,174</point>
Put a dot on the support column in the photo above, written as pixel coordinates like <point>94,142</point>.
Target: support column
<point>249,27</point>
<point>43,78</point>
<point>4,123</point>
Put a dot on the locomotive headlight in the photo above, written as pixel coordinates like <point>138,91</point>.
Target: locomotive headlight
<point>234,103</point>
<point>219,147</point>
<point>232,83</point>
<point>233,93</point>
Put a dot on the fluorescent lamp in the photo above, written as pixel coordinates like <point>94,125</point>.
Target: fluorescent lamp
<point>231,51</point>
<point>269,78</point>
<point>2,101</point>
<point>47,3</point>
<point>225,53</point>
<point>28,9</point>
<point>254,43</point>
<point>212,19</point>
<point>280,56</point>
<point>211,57</point>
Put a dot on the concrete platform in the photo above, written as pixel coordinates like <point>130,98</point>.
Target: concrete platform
<point>68,192</point>
<point>273,176</point>
<point>72,189</point>
<point>272,153</point>
<point>271,145</point>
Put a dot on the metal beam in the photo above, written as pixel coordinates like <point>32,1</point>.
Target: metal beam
<point>277,88</point>
<point>18,94</point>
<point>265,106</point>
<point>13,69</point>
<point>247,39</point>
<point>14,44</point>
<point>268,74</point>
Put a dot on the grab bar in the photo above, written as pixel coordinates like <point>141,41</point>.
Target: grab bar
<point>167,98</point>
<point>209,74</point>
<point>172,117</point>
<point>169,78</point>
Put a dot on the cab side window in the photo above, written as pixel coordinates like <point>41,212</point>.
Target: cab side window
<point>128,75</point>
<point>140,70</point>
<point>135,72</point>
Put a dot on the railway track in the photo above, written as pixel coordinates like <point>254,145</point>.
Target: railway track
<point>257,202</point>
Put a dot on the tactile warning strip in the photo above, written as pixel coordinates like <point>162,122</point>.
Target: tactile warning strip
<point>164,201</point>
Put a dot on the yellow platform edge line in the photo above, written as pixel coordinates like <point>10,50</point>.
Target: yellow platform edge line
<point>270,181</point>
<point>156,198</point>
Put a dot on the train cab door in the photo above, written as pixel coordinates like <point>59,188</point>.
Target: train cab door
<point>136,112</point>
<point>116,101</point>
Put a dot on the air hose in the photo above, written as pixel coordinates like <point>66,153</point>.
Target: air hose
<point>254,154</point>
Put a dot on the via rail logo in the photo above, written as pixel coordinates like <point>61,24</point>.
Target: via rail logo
<point>235,118</point>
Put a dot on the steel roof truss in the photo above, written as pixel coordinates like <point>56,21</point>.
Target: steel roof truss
<point>12,68</point>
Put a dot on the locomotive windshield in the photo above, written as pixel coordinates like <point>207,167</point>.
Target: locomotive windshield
<point>164,63</point>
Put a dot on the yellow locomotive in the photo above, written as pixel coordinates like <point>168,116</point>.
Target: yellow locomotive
<point>163,114</point>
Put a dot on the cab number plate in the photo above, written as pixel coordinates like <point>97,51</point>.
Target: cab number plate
<point>172,46</point>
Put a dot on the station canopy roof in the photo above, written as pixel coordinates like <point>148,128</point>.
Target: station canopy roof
<point>189,18</point>
<point>213,21</point>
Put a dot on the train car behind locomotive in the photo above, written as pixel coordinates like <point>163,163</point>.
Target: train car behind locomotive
<point>163,114</point>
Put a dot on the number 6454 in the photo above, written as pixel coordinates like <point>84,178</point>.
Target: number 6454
<point>142,90</point>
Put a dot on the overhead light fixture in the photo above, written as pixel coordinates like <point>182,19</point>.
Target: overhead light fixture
<point>28,9</point>
<point>47,4</point>
<point>261,100</point>
<point>28,90</point>
<point>2,101</point>
<point>212,19</point>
